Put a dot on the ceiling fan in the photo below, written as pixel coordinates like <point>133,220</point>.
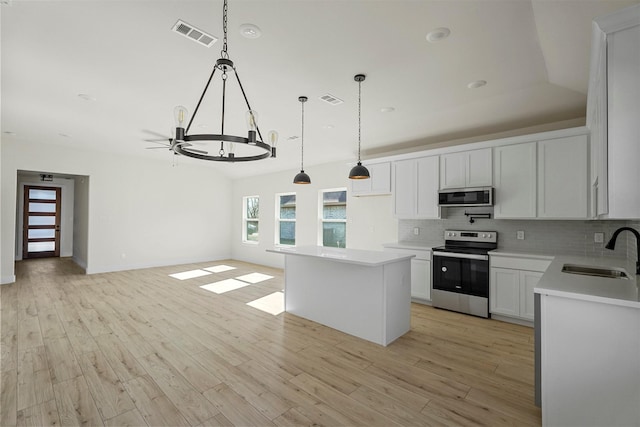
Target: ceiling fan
<point>168,142</point>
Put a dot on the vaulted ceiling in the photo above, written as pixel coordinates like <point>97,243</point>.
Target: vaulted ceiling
<point>106,75</point>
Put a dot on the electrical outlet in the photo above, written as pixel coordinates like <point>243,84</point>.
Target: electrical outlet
<point>598,237</point>
<point>520,235</point>
<point>416,231</point>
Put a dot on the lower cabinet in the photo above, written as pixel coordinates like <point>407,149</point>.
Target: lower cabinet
<point>511,285</point>
<point>420,272</point>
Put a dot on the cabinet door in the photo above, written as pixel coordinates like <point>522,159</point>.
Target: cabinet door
<point>478,168</point>
<point>528,281</point>
<point>404,188</point>
<point>562,178</point>
<point>427,187</point>
<point>515,181</point>
<point>504,296</point>
<point>421,279</point>
<point>378,183</point>
<point>453,170</point>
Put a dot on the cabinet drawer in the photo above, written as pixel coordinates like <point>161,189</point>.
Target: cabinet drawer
<point>530,264</point>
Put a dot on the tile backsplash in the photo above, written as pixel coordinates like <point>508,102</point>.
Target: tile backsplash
<point>568,237</point>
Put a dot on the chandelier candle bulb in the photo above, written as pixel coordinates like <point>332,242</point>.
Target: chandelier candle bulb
<point>273,140</point>
<point>252,120</point>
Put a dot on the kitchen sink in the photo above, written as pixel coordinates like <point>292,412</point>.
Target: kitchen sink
<point>586,270</point>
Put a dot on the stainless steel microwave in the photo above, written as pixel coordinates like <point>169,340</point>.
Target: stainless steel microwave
<point>466,197</point>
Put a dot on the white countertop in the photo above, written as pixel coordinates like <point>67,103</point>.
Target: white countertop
<point>349,256</point>
<point>413,245</point>
<point>624,292</point>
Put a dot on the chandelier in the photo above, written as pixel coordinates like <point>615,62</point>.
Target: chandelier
<point>183,142</point>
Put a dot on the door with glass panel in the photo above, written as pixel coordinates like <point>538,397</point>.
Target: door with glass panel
<point>41,222</point>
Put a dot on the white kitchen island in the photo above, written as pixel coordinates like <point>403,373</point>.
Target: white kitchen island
<point>362,293</point>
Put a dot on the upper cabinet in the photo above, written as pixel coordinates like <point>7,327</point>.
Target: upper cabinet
<point>545,179</point>
<point>466,169</point>
<point>613,109</point>
<point>562,178</point>
<point>515,181</point>
<point>415,188</point>
<point>379,182</point>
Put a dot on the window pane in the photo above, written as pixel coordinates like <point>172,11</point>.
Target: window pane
<point>288,206</point>
<point>42,220</point>
<point>253,207</point>
<point>334,234</point>
<point>334,205</point>
<point>41,246</point>
<point>287,233</point>
<point>42,233</point>
<point>43,194</point>
<point>252,231</point>
<point>42,207</point>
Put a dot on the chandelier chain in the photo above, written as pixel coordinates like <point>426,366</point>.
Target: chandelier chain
<point>225,9</point>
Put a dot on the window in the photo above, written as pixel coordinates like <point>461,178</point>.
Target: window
<point>334,218</point>
<point>251,215</point>
<point>286,219</point>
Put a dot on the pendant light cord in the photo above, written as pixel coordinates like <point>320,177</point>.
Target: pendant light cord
<point>359,116</point>
<point>302,133</point>
<point>223,52</point>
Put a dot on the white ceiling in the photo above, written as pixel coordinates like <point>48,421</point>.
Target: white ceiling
<point>533,54</point>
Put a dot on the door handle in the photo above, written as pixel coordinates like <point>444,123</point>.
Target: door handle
<point>57,228</point>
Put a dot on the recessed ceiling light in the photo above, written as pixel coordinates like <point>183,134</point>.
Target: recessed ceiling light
<point>64,135</point>
<point>387,110</point>
<point>328,126</point>
<point>438,34</point>
<point>8,132</point>
<point>250,31</point>
<point>292,137</point>
<point>477,84</point>
<point>86,97</point>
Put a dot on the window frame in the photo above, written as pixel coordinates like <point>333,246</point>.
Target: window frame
<point>279,220</point>
<point>322,221</point>
<point>246,220</point>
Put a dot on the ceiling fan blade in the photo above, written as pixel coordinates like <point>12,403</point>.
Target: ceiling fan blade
<point>198,151</point>
<point>166,147</point>
<point>157,141</point>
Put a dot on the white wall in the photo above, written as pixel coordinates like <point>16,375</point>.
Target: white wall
<point>81,221</point>
<point>370,221</point>
<point>66,208</point>
<point>141,213</point>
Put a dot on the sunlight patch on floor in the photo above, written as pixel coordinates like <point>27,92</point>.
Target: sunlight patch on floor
<point>225,286</point>
<point>272,303</point>
<point>219,268</point>
<point>190,274</point>
<point>254,277</point>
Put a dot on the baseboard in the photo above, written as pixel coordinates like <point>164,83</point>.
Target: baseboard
<point>508,319</point>
<point>8,279</point>
<point>81,263</point>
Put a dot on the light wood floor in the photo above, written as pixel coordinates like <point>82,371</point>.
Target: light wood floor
<point>139,347</point>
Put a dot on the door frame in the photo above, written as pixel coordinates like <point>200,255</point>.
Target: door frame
<point>56,227</point>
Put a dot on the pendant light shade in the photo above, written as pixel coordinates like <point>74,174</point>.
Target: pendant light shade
<point>359,171</point>
<point>302,177</point>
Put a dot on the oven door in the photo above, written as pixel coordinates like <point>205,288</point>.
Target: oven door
<point>461,273</point>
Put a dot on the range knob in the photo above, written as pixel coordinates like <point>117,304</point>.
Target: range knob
<point>489,235</point>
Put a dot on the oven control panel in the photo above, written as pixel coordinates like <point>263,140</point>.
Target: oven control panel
<point>471,236</point>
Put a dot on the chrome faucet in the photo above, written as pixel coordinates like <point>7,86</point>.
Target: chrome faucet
<point>612,243</point>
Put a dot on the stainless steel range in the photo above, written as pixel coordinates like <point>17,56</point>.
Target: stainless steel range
<point>461,271</point>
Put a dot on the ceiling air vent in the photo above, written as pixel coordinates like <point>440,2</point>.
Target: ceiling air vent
<point>330,99</point>
<point>194,33</point>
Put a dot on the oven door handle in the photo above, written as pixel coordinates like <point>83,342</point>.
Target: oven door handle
<point>459,255</point>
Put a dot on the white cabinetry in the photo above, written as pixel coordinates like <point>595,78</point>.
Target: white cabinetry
<point>515,181</point>
<point>466,169</point>
<point>546,179</point>
<point>379,182</point>
<point>415,188</point>
<point>562,178</point>
<point>613,108</point>
<point>511,285</point>
<point>420,271</point>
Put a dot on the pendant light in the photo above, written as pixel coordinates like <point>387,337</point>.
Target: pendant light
<point>302,178</point>
<point>359,171</point>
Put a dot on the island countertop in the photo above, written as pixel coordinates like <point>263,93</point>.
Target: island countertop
<point>348,256</point>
